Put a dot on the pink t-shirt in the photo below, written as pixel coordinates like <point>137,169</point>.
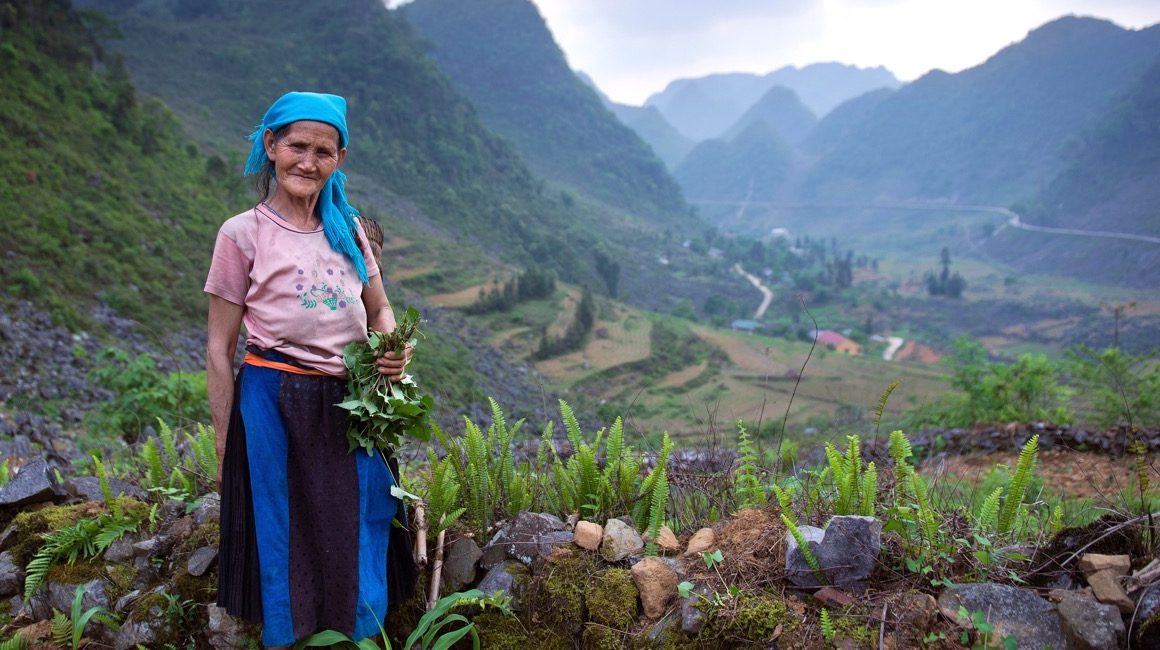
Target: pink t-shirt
<point>301,297</point>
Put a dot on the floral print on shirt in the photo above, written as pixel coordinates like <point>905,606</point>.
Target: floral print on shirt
<point>323,287</point>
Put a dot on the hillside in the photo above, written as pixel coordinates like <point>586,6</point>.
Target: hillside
<point>705,107</point>
<point>754,165</point>
<point>667,143</point>
<point>1111,183</point>
<point>107,205</point>
<point>993,132</point>
<point>416,142</point>
<point>500,54</point>
<point>782,112</point>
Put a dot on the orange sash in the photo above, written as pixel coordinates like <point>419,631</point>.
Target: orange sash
<point>255,360</point>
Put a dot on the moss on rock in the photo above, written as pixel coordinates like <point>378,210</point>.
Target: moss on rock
<point>612,601</point>
<point>599,637</point>
<point>754,618</point>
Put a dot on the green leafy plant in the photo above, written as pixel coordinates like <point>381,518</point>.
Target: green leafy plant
<point>804,547</point>
<point>143,394</point>
<point>856,487</point>
<point>1015,492</point>
<point>747,487</point>
<point>68,629</point>
<point>384,411</point>
<point>86,538</point>
<point>827,626</point>
<point>15,643</point>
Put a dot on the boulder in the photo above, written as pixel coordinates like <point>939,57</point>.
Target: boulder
<point>459,564</point>
<point>693,617</point>
<point>847,551</point>
<point>524,535</point>
<point>620,541</point>
<point>657,584</point>
<point>30,485</point>
<point>495,551</point>
<point>505,577</point>
<point>702,540</point>
<point>587,535</point>
<point>1090,625</point>
<point>1014,612</point>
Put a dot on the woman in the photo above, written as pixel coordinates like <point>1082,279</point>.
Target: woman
<point>305,523</point>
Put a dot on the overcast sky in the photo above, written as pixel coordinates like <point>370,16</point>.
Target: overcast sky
<point>633,48</point>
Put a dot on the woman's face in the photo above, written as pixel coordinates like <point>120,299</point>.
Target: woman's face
<point>304,157</point>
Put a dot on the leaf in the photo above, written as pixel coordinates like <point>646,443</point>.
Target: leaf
<point>684,589</point>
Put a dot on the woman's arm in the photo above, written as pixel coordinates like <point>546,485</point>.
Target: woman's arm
<point>381,317</point>
<point>225,323</point>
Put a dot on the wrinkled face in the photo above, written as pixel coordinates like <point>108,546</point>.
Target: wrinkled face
<point>304,157</point>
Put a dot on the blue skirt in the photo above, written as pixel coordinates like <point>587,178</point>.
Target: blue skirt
<point>306,524</point>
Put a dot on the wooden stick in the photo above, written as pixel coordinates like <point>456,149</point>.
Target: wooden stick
<point>436,572</point>
<point>421,534</point>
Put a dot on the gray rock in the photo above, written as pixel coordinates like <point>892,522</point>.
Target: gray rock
<point>552,539</point>
<point>125,602</point>
<point>145,633</point>
<point>523,536</point>
<point>200,560</point>
<point>620,541</point>
<point>8,537</point>
<point>88,488</point>
<point>847,551</point>
<point>1145,628</point>
<point>1090,625</point>
<point>224,632</point>
<point>459,565</point>
<point>60,596</point>
<point>692,616</point>
<point>120,550</point>
<point>208,510</point>
<point>1031,620</point>
<point>30,485</point>
<point>495,551</point>
<point>505,577</point>
<point>11,576</point>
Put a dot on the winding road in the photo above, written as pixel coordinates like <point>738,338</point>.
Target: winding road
<point>766,294</point>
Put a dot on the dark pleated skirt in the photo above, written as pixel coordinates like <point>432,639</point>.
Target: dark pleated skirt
<point>307,541</point>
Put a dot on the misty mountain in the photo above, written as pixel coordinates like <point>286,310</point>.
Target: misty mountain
<point>782,112</point>
<point>705,107</point>
<point>991,133</point>
<point>648,123</point>
<point>755,165</point>
<point>838,123</point>
<point>1111,183</point>
<point>501,55</point>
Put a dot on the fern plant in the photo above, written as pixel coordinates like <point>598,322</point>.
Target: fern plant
<point>86,538</point>
<point>658,504</point>
<point>803,547</point>
<point>442,493</point>
<point>827,625</point>
<point>747,487</point>
<point>1024,470</point>
<point>15,643</point>
<point>68,629</point>
<point>848,477</point>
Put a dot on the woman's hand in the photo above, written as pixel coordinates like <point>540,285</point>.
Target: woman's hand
<point>392,364</point>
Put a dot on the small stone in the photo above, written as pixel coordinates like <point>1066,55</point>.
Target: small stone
<point>495,551</point>
<point>657,584</point>
<point>1119,565</point>
<point>1106,588</point>
<point>701,541</point>
<point>505,578</point>
<point>552,539</point>
<point>523,536</point>
<point>11,576</point>
<point>200,560</point>
<point>915,610</point>
<point>1060,595</point>
<point>619,541</point>
<point>588,535</point>
<point>692,616</point>
<point>667,541</point>
<point>1011,611</point>
<point>834,597</point>
<point>224,631</point>
<point>208,510</point>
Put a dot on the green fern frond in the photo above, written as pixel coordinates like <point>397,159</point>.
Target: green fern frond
<point>869,490</point>
<point>746,485</point>
<point>806,551</point>
<point>168,439</point>
<point>571,426</point>
<point>900,449</point>
<point>111,502</point>
<point>827,626</point>
<point>927,518</point>
<point>62,630</point>
<point>1057,519</point>
<point>784,497</point>
<point>988,519</point>
<point>1018,487</point>
<point>657,507</point>
<point>880,407</point>
<point>154,469</point>
<point>15,643</point>
<point>204,447</point>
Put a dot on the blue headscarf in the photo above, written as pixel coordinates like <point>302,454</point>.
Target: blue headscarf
<point>337,215</point>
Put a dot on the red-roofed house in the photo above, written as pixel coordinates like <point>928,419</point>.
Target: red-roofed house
<point>836,341</point>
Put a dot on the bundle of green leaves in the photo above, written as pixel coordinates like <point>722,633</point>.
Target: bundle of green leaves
<point>383,411</point>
